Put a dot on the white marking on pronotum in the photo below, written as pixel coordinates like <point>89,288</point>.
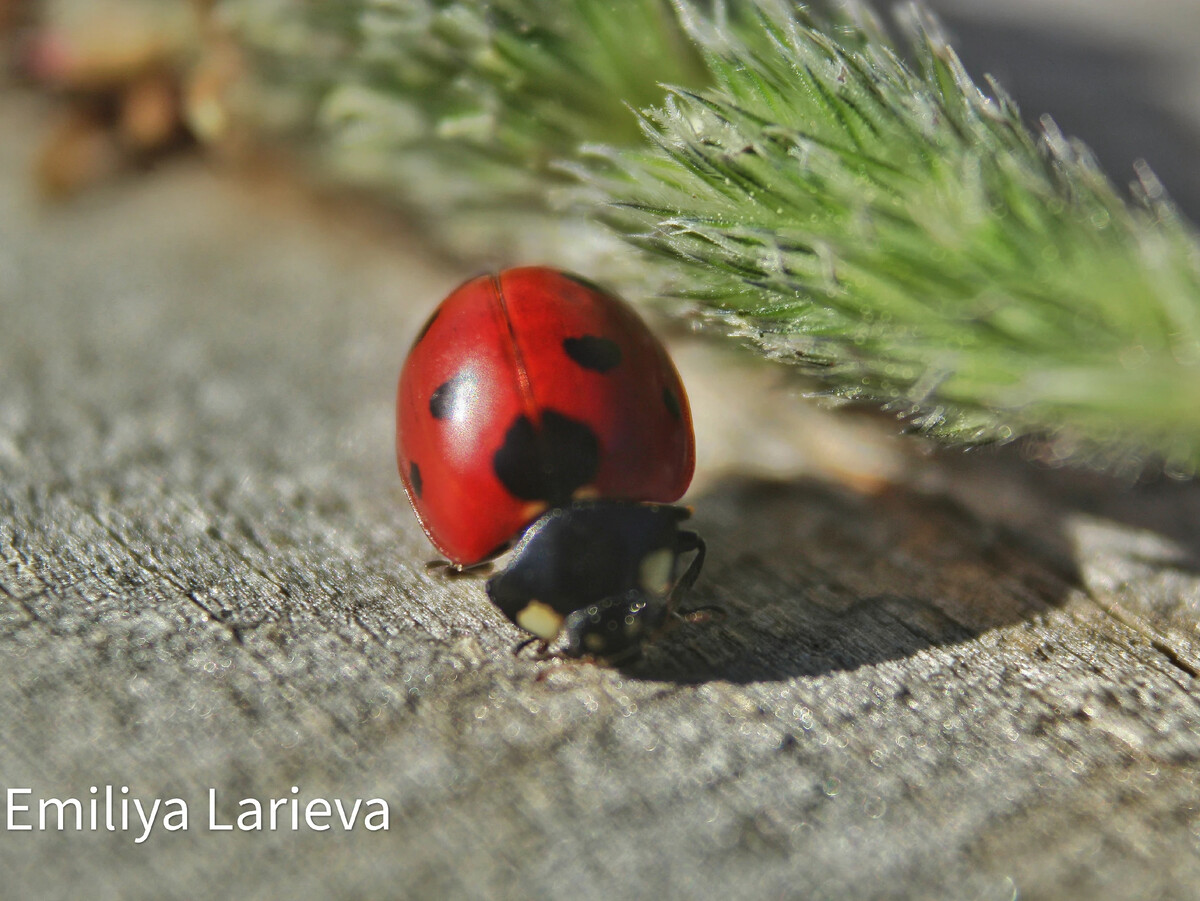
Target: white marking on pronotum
<point>655,571</point>
<point>540,619</point>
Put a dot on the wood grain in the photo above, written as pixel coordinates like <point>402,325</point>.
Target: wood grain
<point>939,676</point>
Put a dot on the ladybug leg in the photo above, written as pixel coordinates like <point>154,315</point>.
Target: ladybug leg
<point>561,660</point>
<point>542,652</point>
<point>689,541</point>
<point>453,571</point>
<point>709,613</point>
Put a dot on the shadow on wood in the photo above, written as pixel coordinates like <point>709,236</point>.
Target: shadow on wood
<point>816,579</point>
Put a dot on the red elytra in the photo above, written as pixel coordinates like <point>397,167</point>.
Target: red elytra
<point>526,389</point>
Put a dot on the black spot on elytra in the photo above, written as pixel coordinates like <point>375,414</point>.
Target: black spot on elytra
<point>453,395</point>
<point>593,352</point>
<point>427,326</point>
<point>547,462</point>
<point>414,478</point>
<point>587,283</point>
<point>672,403</point>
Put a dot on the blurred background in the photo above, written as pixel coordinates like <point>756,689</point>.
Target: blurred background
<point>131,80</point>
<point>113,91</point>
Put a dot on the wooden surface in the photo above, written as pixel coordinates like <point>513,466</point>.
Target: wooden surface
<point>940,676</point>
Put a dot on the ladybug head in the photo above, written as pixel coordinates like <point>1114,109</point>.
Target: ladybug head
<point>601,574</point>
<point>614,629</point>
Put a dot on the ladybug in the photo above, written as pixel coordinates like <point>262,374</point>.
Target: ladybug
<point>537,411</point>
